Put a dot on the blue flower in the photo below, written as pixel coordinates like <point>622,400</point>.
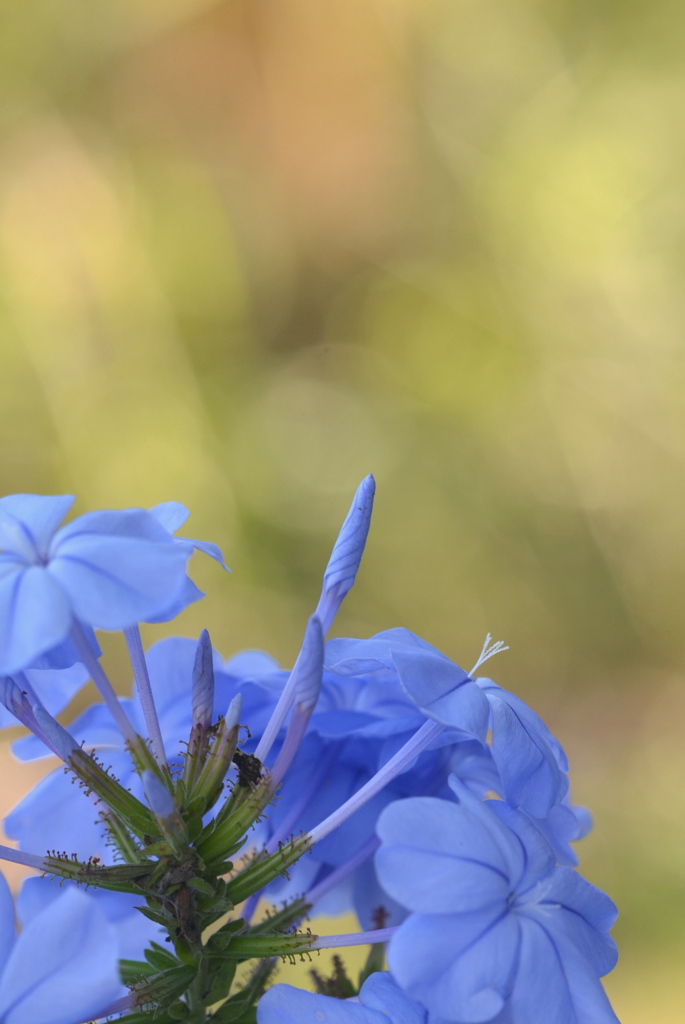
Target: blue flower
<point>108,570</point>
<point>63,967</point>
<point>380,1001</point>
<point>496,930</point>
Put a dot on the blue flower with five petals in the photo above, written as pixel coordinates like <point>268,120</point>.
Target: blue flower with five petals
<point>496,932</point>
<point>108,570</point>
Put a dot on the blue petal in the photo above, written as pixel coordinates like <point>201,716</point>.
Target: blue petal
<point>533,723</point>
<point>571,908</point>
<point>443,691</point>
<point>28,522</point>
<point>251,664</point>
<point>65,654</point>
<point>134,932</point>
<point>381,992</point>
<point>64,966</point>
<point>539,856</point>
<point>565,824</point>
<point>188,594</point>
<point>115,582</point>
<point>368,897</point>
<point>541,991</point>
<point>170,514</point>
<point>460,966</point>
<point>284,1004</point>
<point>127,522</point>
<point>8,932</point>
<point>438,857</point>
<point>207,548</point>
<point>556,983</point>
<point>526,760</point>
<point>56,687</point>
<point>34,617</point>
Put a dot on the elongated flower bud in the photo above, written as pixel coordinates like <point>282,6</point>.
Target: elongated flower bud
<point>203,682</point>
<point>23,703</point>
<point>308,670</point>
<point>348,549</point>
<point>235,709</point>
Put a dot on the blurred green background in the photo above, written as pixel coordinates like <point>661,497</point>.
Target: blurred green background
<point>252,250</point>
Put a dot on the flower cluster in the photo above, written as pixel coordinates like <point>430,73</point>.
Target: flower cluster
<point>376,776</point>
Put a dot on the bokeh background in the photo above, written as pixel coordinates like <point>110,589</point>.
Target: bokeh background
<point>252,250</point>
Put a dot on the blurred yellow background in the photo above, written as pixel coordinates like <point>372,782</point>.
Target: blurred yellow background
<point>252,250</point>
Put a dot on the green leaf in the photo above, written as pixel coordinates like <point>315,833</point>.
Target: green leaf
<point>160,958</point>
<point>222,973</point>
<point>201,885</point>
<point>156,915</point>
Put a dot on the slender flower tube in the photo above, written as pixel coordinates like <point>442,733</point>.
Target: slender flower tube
<point>29,860</point>
<point>147,700</point>
<point>353,939</point>
<point>103,684</point>
<point>422,739</point>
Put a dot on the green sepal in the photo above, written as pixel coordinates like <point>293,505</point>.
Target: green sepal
<point>224,835</point>
<point>264,869</point>
<point>132,812</point>
<point>288,916</point>
<point>250,947</point>
<point>161,990</point>
<point>115,877</point>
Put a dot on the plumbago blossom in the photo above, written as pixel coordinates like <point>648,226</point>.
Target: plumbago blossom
<point>376,776</point>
